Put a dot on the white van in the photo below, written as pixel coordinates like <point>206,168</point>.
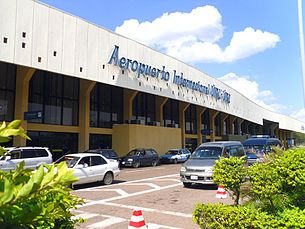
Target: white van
<point>33,157</point>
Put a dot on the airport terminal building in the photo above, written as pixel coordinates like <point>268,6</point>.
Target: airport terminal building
<point>78,86</point>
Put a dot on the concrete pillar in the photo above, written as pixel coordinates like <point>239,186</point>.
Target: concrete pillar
<point>212,117</point>
<point>231,124</point>
<point>246,127</point>
<point>129,95</point>
<point>199,112</point>
<point>23,77</point>
<point>160,102</point>
<point>86,87</point>
<point>273,129</point>
<point>182,108</point>
<point>223,129</point>
<point>239,123</point>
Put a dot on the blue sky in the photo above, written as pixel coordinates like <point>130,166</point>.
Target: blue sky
<point>251,45</point>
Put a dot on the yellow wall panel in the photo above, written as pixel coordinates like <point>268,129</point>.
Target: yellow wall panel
<point>127,137</point>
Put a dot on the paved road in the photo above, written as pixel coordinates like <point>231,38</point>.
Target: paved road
<point>157,191</point>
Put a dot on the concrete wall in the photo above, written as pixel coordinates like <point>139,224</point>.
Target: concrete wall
<point>127,137</point>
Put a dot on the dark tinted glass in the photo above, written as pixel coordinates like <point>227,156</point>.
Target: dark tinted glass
<point>7,91</point>
<point>28,153</point>
<point>15,154</point>
<point>56,95</point>
<point>96,160</point>
<point>41,153</point>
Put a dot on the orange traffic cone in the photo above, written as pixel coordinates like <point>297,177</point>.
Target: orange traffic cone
<point>221,193</point>
<point>137,220</point>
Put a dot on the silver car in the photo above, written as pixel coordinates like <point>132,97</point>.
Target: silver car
<point>198,169</point>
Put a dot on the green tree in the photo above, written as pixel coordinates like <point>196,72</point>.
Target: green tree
<point>275,198</point>
<point>230,172</point>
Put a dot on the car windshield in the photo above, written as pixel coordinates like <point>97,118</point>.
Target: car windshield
<point>207,153</point>
<point>70,160</point>
<point>134,153</point>
<point>172,152</point>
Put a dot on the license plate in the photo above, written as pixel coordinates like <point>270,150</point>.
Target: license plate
<point>194,177</point>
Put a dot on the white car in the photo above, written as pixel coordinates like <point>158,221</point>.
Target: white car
<point>91,167</point>
<point>33,157</point>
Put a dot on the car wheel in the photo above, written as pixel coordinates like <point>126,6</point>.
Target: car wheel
<point>136,164</point>
<point>187,185</point>
<point>71,186</point>
<point>154,163</point>
<point>108,178</point>
<point>175,161</point>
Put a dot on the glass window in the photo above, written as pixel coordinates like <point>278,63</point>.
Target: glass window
<point>149,153</point>
<point>144,107</point>
<point>106,106</point>
<point>57,96</point>
<point>102,141</point>
<point>58,143</point>
<point>190,120</point>
<point>171,113</point>
<point>15,154</point>
<point>84,160</point>
<point>7,91</point>
<point>28,153</point>
<point>96,160</point>
<point>41,153</point>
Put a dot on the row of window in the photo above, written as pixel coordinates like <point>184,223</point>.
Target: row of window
<point>57,98</point>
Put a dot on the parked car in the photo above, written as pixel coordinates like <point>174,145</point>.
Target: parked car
<point>91,167</point>
<point>198,169</point>
<point>258,145</point>
<point>108,153</point>
<point>252,158</point>
<point>33,157</point>
<point>175,156</point>
<point>140,157</point>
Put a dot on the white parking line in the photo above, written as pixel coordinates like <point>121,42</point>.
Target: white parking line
<point>111,220</point>
<point>149,210</point>
<point>157,226</point>
<point>106,223</point>
<point>117,190</point>
<point>148,184</point>
<point>127,182</point>
<point>129,195</point>
<point>138,170</point>
<point>85,215</point>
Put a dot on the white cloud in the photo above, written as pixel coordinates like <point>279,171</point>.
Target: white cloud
<point>251,90</point>
<point>300,114</point>
<point>249,42</point>
<point>192,37</point>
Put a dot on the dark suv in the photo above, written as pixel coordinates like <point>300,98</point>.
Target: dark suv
<point>258,145</point>
<point>140,157</point>
<point>108,153</point>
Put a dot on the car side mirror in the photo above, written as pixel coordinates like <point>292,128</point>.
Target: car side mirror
<point>8,157</point>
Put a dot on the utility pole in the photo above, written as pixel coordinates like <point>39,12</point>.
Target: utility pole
<point>301,34</point>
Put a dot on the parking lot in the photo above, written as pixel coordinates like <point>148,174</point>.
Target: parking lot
<point>157,191</point>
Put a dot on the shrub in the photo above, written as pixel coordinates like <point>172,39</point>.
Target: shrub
<point>36,199</point>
